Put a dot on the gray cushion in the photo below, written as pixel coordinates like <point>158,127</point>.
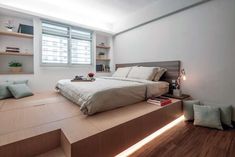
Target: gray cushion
<point>225,113</point>
<point>207,116</point>
<point>4,92</point>
<point>188,108</point>
<point>20,81</point>
<point>20,90</point>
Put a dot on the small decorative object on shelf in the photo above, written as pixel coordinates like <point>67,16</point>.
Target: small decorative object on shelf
<point>101,44</point>
<point>15,67</point>
<point>176,85</point>
<point>102,68</point>
<point>101,55</point>
<point>9,25</point>
<point>107,68</point>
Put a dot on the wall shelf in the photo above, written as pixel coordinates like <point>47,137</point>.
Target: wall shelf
<point>16,54</point>
<point>102,59</point>
<point>22,42</point>
<point>20,73</point>
<point>102,47</point>
<point>15,34</point>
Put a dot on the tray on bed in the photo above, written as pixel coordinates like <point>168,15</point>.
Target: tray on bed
<point>82,80</point>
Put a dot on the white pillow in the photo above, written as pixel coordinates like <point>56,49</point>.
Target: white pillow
<point>122,72</point>
<point>159,73</point>
<point>146,73</point>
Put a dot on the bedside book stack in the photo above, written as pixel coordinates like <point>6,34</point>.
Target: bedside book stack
<point>161,101</point>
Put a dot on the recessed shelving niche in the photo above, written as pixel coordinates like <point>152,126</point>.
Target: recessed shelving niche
<point>18,40</point>
<point>103,54</point>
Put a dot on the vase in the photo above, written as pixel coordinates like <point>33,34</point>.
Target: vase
<point>9,30</point>
<point>177,92</point>
<point>15,69</point>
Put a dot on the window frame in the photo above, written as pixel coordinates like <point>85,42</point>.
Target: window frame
<point>69,59</point>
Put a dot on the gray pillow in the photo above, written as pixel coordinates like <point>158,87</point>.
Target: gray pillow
<point>4,92</point>
<point>207,116</point>
<point>225,113</point>
<point>21,81</point>
<point>20,90</point>
<point>188,108</point>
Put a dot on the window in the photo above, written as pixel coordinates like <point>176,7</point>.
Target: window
<point>65,45</point>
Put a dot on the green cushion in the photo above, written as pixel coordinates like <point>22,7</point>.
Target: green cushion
<point>20,90</point>
<point>188,108</point>
<point>4,92</point>
<point>225,113</point>
<point>208,116</point>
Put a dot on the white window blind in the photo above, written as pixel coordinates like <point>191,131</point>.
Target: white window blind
<point>81,52</point>
<point>65,45</point>
<point>81,47</point>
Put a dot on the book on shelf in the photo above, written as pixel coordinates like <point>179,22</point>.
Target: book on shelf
<point>13,49</point>
<point>161,101</point>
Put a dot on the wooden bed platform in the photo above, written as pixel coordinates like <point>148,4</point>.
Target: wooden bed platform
<point>48,124</point>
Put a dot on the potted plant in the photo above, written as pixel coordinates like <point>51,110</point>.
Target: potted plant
<point>101,55</point>
<point>15,66</point>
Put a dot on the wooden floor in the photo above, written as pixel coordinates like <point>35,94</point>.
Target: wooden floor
<point>186,140</point>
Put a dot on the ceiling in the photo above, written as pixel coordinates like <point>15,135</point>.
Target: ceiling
<point>110,16</point>
<point>98,13</point>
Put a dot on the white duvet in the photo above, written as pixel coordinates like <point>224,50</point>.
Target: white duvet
<point>109,92</point>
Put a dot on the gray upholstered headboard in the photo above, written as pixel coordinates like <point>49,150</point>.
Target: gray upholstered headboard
<point>173,68</point>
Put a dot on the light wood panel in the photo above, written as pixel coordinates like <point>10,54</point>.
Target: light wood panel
<point>15,34</point>
<point>111,142</point>
<point>65,145</point>
<point>33,117</point>
<point>102,59</point>
<point>16,54</point>
<point>58,152</point>
<point>10,73</point>
<point>36,115</point>
<point>32,146</point>
<point>102,47</point>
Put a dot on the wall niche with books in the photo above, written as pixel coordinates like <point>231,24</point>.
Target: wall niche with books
<point>103,53</point>
<point>16,44</point>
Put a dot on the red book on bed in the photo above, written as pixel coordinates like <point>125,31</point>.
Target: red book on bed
<point>161,101</point>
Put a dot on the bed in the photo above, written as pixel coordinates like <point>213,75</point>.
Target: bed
<point>108,93</point>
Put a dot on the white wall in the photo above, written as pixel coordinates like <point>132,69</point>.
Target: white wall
<point>203,38</point>
<point>156,10</point>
